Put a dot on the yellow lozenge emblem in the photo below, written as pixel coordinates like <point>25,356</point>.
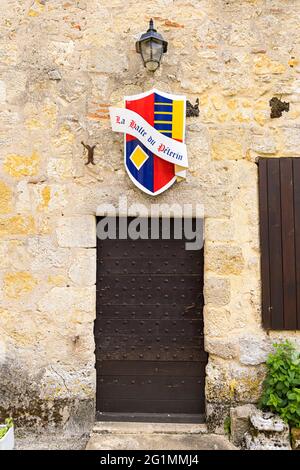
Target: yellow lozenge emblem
<point>138,157</point>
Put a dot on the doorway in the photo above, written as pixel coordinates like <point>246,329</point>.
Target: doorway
<point>150,358</point>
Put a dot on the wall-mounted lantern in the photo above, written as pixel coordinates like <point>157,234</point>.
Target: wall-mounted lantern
<point>151,46</point>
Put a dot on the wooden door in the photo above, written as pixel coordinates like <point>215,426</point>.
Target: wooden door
<point>149,328</point>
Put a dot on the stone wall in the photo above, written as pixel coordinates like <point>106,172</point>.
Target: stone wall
<point>61,65</point>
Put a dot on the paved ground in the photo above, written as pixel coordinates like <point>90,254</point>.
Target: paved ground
<point>50,441</point>
<point>155,436</point>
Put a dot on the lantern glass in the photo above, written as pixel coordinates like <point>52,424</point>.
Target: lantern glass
<point>151,46</point>
<point>151,51</point>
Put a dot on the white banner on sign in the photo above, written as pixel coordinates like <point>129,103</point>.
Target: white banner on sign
<point>127,121</point>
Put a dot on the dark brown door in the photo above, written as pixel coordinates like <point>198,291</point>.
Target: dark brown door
<point>149,328</point>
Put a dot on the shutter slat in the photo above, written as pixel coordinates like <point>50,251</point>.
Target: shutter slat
<point>288,243</point>
<point>275,245</point>
<point>296,175</point>
<point>264,240</point>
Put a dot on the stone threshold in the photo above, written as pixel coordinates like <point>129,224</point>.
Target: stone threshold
<point>106,427</point>
<point>155,436</point>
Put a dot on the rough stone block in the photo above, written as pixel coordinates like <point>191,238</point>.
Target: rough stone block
<point>219,230</point>
<point>240,422</point>
<point>17,225</point>
<point>32,411</point>
<point>110,61</point>
<point>69,301</point>
<point>230,382</point>
<point>295,438</point>
<point>264,65</point>
<point>221,348</point>
<point>216,291</point>
<point>216,322</point>
<point>262,421</point>
<point>261,442</point>
<point>291,140</point>
<point>264,144</point>
<point>83,269</point>
<point>2,91</point>
<point>77,231</point>
<point>5,198</point>
<point>19,166</point>
<point>58,381</point>
<point>216,414</point>
<point>54,74</point>
<point>45,254</point>
<point>216,207</point>
<point>227,149</point>
<point>18,284</point>
<point>254,350</point>
<point>224,259</point>
<point>197,144</point>
<point>60,168</point>
<point>267,432</point>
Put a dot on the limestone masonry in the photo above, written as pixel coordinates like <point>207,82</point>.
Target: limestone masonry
<point>62,64</point>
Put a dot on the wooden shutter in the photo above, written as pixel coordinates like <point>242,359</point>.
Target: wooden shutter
<point>279,204</point>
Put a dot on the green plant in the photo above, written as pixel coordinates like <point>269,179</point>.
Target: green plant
<point>281,388</point>
<point>8,424</point>
<point>227,425</point>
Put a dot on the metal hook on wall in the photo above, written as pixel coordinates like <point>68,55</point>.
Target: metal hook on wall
<point>90,150</point>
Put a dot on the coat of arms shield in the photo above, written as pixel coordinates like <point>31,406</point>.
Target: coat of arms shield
<point>164,112</point>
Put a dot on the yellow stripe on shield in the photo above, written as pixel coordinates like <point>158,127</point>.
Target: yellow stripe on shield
<point>177,121</point>
<point>178,130</point>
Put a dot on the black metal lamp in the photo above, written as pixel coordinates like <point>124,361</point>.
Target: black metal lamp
<point>151,46</point>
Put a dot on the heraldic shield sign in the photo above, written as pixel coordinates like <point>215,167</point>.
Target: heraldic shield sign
<point>153,124</point>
